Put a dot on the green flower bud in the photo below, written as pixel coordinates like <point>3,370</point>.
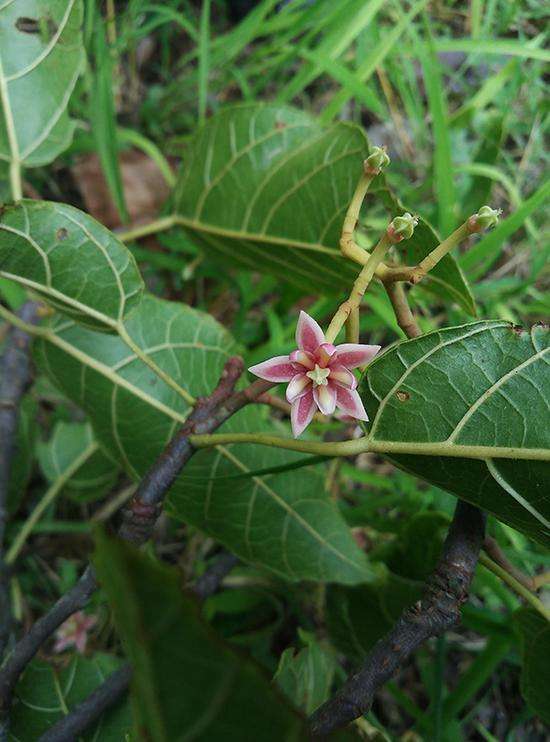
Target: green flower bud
<point>486,218</point>
<point>402,227</point>
<point>376,161</point>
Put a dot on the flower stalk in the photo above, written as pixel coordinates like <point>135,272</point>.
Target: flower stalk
<point>485,218</point>
<point>401,228</point>
<point>372,166</point>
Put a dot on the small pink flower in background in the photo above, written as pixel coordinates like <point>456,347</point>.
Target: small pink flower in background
<point>74,632</point>
<point>319,375</point>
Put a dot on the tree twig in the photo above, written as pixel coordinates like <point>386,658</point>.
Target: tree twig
<point>439,610</point>
<point>103,697</point>
<point>140,517</point>
<point>15,376</point>
<point>404,316</point>
<point>114,687</point>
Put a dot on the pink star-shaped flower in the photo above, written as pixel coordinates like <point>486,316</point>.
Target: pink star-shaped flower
<point>319,375</point>
<point>74,632</point>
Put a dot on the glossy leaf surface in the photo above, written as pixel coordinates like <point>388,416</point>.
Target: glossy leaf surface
<point>480,389</point>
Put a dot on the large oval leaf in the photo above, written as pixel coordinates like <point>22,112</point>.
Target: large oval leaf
<point>41,56</point>
<point>70,260</point>
<point>480,390</point>
<point>266,188</point>
<point>284,521</point>
<point>188,683</point>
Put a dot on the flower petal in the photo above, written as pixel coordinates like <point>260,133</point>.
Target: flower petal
<point>325,398</point>
<point>80,642</point>
<point>309,335</point>
<point>302,412</point>
<point>342,376</point>
<point>297,387</point>
<point>274,369</point>
<point>349,401</point>
<point>324,353</point>
<point>353,355</point>
<point>303,358</point>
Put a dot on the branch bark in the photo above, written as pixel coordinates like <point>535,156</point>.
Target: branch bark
<point>139,519</point>
<point>115,686</point>
<point>439,610</point>
<point>15,377</point>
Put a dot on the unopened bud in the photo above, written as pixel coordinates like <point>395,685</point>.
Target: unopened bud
<point>402,227</point>
<point>486,218</point>
<point>376,161</point>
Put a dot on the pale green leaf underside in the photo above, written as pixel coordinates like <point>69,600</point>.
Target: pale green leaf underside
<point>46,692</point>
<point>72,261</point>
<point>38,71</point>
<point>283,521</point>
<point>480,385</point>
<point>68,443</point>
<point>266,187</point>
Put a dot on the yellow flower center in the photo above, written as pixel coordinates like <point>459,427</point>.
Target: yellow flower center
<point>319,376</point>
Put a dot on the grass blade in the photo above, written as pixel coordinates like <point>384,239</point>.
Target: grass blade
<point>371,62</point>
<point>356,15</point>
<point>347,80</point>
<point>103,117</point>
<point>204,62</point>
<point>528,50</point>
<point>444,189</point>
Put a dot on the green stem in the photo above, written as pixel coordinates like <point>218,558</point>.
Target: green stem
<point>433,258</point>
<point>359,288</point>
<point>158,225</point>
<point>341,448</point>
<point>516,586</point>
<point>48,497</point>
<point>15,180</point>
<point>367,443</point>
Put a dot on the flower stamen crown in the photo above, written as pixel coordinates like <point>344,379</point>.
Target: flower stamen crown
<point>319,375</point>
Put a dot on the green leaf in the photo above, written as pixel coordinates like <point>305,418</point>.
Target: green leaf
<point>284,521</point>
<point>94,479</point>
<point>45,694</point>
<point>267,187</point>
<point>40,60</point>
<point>534,633</point>
<point>477,391</point>
<point>306,677</point>
<point>187,683</point>
<point>70,260</point>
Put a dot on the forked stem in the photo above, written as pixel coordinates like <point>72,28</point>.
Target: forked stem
<point>352,304</point>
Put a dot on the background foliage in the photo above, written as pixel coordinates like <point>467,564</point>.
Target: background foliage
<point>456,93</point>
